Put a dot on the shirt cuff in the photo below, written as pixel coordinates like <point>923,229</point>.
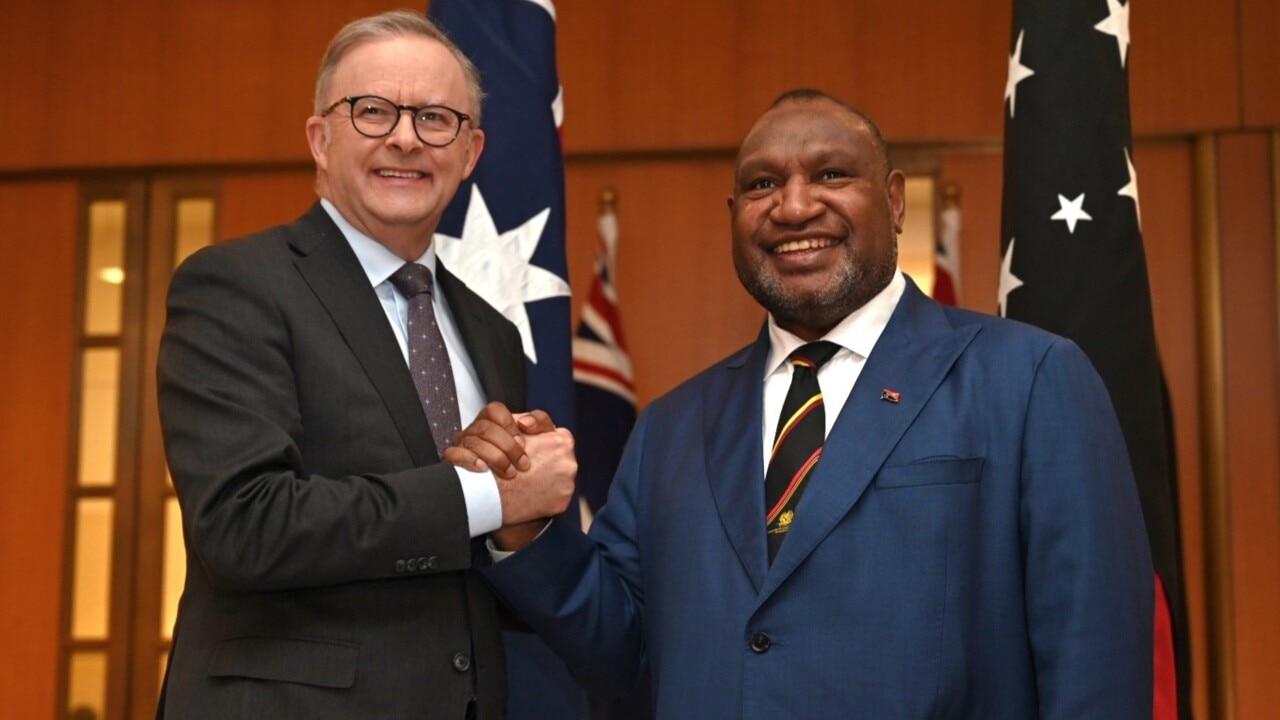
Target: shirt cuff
<point>484,504</point>
<point>499,555</point>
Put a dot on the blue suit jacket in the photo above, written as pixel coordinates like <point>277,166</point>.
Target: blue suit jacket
<point>975,550</point>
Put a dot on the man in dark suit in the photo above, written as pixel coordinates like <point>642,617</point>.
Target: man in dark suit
<point>330,554</point>
<point>961,539</point>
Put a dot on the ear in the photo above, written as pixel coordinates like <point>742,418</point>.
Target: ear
<point>317,141</point>
<point>474,150</point>
<point>729,202</point>
<point>897,183</point>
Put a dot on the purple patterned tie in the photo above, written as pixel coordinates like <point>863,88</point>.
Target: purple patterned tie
<point>428,356</point>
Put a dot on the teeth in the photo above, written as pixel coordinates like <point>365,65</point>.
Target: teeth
<point>400,173</point>
<point>807,244</point>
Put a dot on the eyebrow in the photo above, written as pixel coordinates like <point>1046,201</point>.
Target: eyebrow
<point>835,154</point>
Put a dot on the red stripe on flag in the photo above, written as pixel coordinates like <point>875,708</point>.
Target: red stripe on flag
<point>1165,705</point>
<point>607,310</point>
<point>944,289</point>
<point>603,371</point>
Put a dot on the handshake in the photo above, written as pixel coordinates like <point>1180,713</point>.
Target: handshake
<point>532,461</point>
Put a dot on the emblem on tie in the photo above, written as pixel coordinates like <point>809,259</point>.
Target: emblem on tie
<point>784,522</point>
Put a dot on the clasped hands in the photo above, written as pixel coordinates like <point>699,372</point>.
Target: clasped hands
<point>532,460</point>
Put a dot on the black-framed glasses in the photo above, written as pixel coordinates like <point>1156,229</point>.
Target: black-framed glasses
<point>374,117</point>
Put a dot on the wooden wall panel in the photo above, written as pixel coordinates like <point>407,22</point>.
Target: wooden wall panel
<point>672,74</point>
<point>979,175</point>
<point>149,82</point>
<point>252,201</point>
<point>932,71</point>
<point>1253,415</point>
<point>1260,61</point>
<point>1184,72</point>
<point>37,283</point>
<point>682,306</point>
<point>1165,176</point>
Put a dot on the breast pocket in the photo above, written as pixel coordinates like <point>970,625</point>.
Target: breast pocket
<point>931,471</point>
<point>323,663</point>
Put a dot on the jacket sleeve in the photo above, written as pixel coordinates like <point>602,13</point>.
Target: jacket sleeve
<point>255,515</point>
<point>582,593</point>
<point>1089,579</point>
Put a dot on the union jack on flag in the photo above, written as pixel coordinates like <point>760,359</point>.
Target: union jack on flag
<point>605,393</point>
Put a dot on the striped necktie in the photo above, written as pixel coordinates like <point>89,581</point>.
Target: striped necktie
<point>797,446</point>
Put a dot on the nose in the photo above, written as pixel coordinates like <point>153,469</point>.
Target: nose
<point>797,203</point>
<point>403,136</point>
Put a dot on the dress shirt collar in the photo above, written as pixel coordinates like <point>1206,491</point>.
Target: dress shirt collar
<point>857,333</point>
<point>378,262</point>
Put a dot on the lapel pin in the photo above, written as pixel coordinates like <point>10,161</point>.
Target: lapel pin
<point>892,396</point>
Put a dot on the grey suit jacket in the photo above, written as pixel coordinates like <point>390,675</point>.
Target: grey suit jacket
<point>329,563</point>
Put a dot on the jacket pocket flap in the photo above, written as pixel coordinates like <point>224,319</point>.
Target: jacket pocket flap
<point>324,663</point>
<point>931,471</point>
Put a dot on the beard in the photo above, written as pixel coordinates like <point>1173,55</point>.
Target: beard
<point>852,287</point>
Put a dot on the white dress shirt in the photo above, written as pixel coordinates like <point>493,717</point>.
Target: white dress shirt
<point>479,489</point>
<point>856,335</point>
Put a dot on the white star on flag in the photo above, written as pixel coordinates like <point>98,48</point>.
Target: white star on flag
<point>1131,190</point>
<point>1008,281</point>
<point>496,265</point>
<point>1072,211</point>
<point>1017,73</point>
<point>1117,24</point>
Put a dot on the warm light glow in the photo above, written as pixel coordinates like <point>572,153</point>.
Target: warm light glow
<point>91,579</point>
<point>175,568</point>
<point>918,241</point>
<point>195,226</point>
<point>87,684</point>
<point>104,298</point>
<point>113,275</point>
<point>99,416</point>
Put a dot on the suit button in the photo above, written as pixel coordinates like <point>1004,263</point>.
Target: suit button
<point>433,563</point>
<point>461,662</point>
<point>399,566</point>
<point>411,565</point>
<point>761,642</point>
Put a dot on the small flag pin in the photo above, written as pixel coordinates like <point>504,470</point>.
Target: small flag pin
<point>892,396</point>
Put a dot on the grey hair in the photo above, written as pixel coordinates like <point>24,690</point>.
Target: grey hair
<point>396,23</point>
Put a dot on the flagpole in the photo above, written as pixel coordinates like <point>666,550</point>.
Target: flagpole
<point>1219,594</point>
<point>1275,214</point>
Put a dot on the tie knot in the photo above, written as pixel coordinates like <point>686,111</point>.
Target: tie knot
<point>412,279</point>
<point>814,355</point>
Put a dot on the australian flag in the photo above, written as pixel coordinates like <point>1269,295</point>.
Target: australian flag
<point>504,236</point>
<point>1073,260</point>
<point>606,410</point>
<point>604,391</point>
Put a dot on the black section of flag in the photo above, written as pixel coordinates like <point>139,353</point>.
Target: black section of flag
<point>1068,135</point>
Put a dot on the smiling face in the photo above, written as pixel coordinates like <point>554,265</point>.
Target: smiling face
<point>395,188</point>
<point>815,214</point>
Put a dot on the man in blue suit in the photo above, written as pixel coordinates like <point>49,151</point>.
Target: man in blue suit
<point>969,545</point>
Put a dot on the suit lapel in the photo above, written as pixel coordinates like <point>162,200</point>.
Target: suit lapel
<point>734,455</point>
<point>330,268</point>
<point>913,355</point>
